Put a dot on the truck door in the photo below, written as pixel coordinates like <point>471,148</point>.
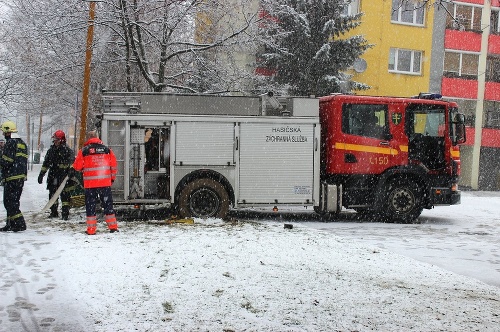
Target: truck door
<point>426,129</point>
<point>365,144</point>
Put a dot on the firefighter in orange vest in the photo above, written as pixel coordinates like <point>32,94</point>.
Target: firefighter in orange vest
<point>98,164</point>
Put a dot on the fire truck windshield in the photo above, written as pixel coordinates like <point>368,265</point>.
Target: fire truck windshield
<point>429,122</point>
<point>426,134</point>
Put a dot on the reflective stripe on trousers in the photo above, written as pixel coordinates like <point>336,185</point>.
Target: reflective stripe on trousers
<point>111,221</point>
<point>91,224</point>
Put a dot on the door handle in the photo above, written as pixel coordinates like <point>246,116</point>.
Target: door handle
<point>384,143</point>
<point>349,158</point>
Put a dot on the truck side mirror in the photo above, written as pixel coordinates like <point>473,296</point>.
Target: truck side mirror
<point>458,127</point>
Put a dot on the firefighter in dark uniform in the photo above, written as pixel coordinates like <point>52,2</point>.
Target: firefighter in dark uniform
<point>57,162</point>
<point>2,144</point>
<point>14,165</point>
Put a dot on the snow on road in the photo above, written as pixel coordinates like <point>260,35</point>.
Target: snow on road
<point>226,277</point>
<point>464,238</point>
<point>216,276</point>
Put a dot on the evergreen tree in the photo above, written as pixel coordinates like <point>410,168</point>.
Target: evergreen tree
<point>307,49</point>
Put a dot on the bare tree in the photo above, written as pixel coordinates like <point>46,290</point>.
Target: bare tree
<point>139,45</point>
<point>160,42</point>
<point>170,40</point>
<point>39,60</point>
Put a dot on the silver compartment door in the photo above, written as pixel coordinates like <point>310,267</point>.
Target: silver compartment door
<point>116,140</point>
<point>204,143</point>
<point>276,163</point>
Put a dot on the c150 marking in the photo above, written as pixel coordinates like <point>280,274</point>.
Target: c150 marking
<point>379,160</point>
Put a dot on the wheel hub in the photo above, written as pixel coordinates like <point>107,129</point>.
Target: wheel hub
<point>403,201</point>
<point>204,203</point>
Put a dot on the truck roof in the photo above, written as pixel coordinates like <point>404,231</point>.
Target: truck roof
<point>384,99</point>
<point>204,104</point>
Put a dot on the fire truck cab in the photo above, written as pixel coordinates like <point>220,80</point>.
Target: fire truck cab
<point>392,157</point>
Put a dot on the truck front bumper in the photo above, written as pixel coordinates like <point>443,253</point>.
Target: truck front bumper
<point>444,196</point>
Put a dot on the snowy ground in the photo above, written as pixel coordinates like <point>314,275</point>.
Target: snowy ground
<point>464,238</point>
<point>215,276</point>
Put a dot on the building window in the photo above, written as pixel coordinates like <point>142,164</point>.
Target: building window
<point>492,120</point>
<point>493,69</point>
<point>405,61</point>
<point>410,12</point>
<point>462,65</point>
<point>464,17</point>
<point>352,8</point>
<point>495,22</point>
<point>492,112</point>
<point>468,108</point>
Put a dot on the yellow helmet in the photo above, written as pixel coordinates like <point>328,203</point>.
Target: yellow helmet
<point>9,127</point>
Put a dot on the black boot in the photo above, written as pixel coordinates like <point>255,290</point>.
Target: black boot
<point>65,213</point>
<point>6,228</point>
<point>53,214</point>
<point>18,225</point>
<point>19,228</point>
<point>14,226</point>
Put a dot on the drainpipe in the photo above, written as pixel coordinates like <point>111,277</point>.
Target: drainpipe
<point>481,85</point>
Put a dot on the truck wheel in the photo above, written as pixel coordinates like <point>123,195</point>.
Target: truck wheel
<point>403,201</point>
<point>203,198</point>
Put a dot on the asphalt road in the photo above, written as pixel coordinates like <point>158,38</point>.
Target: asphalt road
<point>464,238</point>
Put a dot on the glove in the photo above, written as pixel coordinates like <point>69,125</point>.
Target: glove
<point>40,178</point>
<point>71,172</point>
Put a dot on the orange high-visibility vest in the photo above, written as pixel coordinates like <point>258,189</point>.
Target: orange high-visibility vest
<point>98,163</point>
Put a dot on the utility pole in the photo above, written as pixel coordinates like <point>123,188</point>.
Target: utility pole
<point>28,129</point>
<point>75,147</point>
<point>481,82</point>
<point>40,131</point>
<point>86,75</point>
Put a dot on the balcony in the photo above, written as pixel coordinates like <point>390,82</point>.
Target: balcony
<point>466,88</point>
<point>494,44</point>
<point>459,88</point>
<point>462,40</point>
<point>492,91</point>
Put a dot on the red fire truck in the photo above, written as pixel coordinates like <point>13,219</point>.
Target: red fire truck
<point>205,155</point>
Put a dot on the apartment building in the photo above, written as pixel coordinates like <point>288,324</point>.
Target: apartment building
<point>450,48</point>
<point>398,64</point>
<point>470,40</point>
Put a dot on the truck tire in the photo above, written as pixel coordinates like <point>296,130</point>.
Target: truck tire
<point>403,201</point>
<point>203,198</point>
